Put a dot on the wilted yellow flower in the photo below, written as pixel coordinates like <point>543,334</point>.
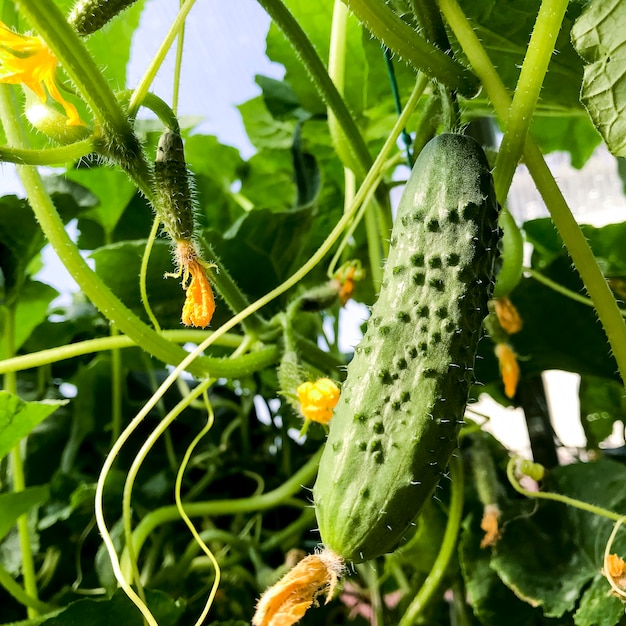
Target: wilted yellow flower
<point>27,60</point>
<point>508,315</point>
<point>509,368</point>
<point>199,304</point>
<point>318,399</point>
<point>346,276</point>
<point>490,525</point>
<point>286,602</point>
<point>615,570</point>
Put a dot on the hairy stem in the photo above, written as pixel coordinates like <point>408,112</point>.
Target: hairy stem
<point>398,36</point>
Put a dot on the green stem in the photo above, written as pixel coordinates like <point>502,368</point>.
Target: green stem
<point>116,389</point>
<point>19,479</point>
<point>47,156</point>
<point>12,588</point>
<point>385,25</point>
<point>557,497</point>
<point>143,273</point>
<point>144,84</point>
<point>217,366</point>
<point>369,573</point>
<point>570,232</point>
<point>148,444</point>
<point>534,68</point>
<point>180,45</point>
<point>564,291</point>
<point>374,248</point>
<point>337,73</point>
<point>438,571</point>
<point>280,496</point>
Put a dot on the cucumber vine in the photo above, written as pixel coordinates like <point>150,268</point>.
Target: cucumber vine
<point>207,410</point>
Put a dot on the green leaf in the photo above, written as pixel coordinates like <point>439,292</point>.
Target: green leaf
<point>113,189</point>
<point>20,240</point>
<point>267,180</point>
<point>488,596</point>
<point>601,405</point>
<point>135,221</point>
<point>574,134</point>
<point>31,309</point>
<point>541,567</point>
<point>13,505</point>
<point>262,247</point>
<point>262,129</point>
<point>216,170</point>
<point>119,265</point>
<point>315,20</point>
<point>597,608</point>
<point>119,610</point>
<point>548,558</point>
<point>280,99</point>
<point>18,418</point>
<point>599,36</point>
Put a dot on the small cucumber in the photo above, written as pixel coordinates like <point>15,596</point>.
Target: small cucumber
<point>396,423</point>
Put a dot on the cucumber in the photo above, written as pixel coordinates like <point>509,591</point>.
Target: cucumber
<point>396,424</point>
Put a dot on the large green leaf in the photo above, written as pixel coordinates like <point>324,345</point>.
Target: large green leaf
<point>263,130</point>
<point>31,309</point>
<point>598,607</point>
<point>12,505</point>
<point>549,558</point>
<point>18,418</point>
<point>315,20</point>
<point>488,596</point>
<point>261,248</point>
<point>113,189</point>
<point>599,36</point>
<point>118,610</point>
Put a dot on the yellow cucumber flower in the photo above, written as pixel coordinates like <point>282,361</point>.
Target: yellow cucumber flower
<point>508,315</point>
<point>509,368</point>
<point>27,60</point>
<point>286,602</point>
<point>318,399</point>
<point>199,303</point>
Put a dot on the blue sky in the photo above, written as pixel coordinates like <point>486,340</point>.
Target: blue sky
<point>224,49</point>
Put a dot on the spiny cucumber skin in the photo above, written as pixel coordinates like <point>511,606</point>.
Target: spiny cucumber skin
<point>397,421</point>
<point>173,194</point>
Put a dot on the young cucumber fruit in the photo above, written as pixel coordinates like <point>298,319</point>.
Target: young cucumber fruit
<point>397,421</point>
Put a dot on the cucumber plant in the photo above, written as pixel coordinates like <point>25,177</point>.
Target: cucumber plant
<point>215,456</point>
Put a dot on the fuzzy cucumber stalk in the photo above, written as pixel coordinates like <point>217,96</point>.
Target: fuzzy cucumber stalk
<point>396,424</point>
<point>89,16</point>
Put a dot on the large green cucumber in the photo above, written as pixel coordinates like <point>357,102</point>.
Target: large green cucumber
<point>396,423</point>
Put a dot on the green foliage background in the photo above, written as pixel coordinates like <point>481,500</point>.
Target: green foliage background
<point>262,218</point>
